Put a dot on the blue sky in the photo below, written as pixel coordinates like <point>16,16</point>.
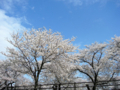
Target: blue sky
<point>87,20</point>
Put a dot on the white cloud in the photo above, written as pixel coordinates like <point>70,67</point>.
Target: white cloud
<point>43,18</point>
<point>33,8</point>
<point>76,2</point>
<point>70,11</point>
<point>8,25</point>
<point>9,5</point>
<point>85,2</point>
<point>25,20</point>
<point>118,3</point>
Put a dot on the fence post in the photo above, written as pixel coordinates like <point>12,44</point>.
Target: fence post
<point>40,87</point>
<point>59,86</point>
<point>15,88</point>
<point>74,86</point>
<point>11,86</point>
<point>7,87</point>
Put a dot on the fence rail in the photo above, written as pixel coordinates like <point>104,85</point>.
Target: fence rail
<point>101,85</point>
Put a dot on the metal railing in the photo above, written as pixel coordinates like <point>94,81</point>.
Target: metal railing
<point>101,85</point>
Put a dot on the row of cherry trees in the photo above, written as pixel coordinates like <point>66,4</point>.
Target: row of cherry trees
<point>48,58</point>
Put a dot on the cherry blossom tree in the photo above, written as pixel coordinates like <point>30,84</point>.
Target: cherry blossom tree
<point>7,74</point>
<point>60,72</point>
<point>95,64</point>
<point>35,50</point>
<point>114,51</point>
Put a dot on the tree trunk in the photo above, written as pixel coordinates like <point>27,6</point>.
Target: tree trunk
<point>36,78</point>
<point>95,82</point>
<point>36,84</point>
<point>95,85</point>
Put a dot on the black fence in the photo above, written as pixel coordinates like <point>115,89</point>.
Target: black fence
<point>101,85</point>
